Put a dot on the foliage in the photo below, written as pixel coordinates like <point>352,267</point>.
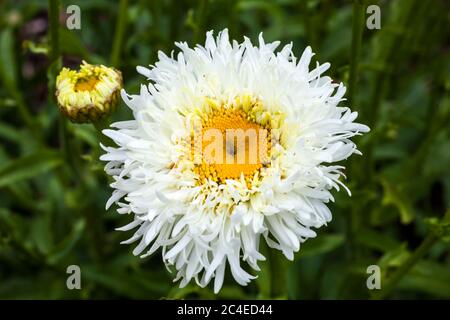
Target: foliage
<point>53,190</point>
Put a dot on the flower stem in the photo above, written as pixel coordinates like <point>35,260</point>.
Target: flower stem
<point>25,114</point>
<point>68,147</point>
<point>418,254</point>
<point>307,16</point>
<point>278,274</point>
<point>99,126</point>
<point>424,247</point>
<point>54,56</point>
<point>200,18</point>
<point>119,33</point>
<point>53,6</point>
<point>357,31</point>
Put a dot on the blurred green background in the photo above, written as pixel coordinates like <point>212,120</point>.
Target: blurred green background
<point>53,189</point>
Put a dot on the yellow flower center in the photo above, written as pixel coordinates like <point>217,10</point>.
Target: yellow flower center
<point>232,145</point>
<point>86,83</point>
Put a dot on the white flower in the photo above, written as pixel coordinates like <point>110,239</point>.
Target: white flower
<point>207,215</point>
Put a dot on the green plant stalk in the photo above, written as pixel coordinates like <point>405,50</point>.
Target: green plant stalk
<point>357,31</point>
<point>68,147</point>
<point>424,247</point>
<point>54,55</point>
<point>381,82</point>
<point>25,113</point>
<point>99,126</point>
<point>202,9</point>
<point>418,254</point>
<point>278,274</point>
<point>382,77</point>
<point>119,33</point>
<point>94,226</point>
<point>309,26</point>
<point>53,6</point>
<point>72,151</point>
<point>17,94</point>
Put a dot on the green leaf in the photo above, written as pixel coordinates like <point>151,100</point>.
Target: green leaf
<point>71,43</point>
<point>136,285</point>
<point>41,235</point>
<point>376,240</point>
<point>87,134</point>
<point>428,277</point>
<point>64,248</point>
<point>395,195</point>
<point>10,133</point>
<point>320,245</point>
<point>394,258</point>
<point>440,227</point>
<point>231,293</point>
<point>36,48</point>
<point>264,280</point>
<point>337,275</point>
<point>43,285</point>
<point>181,293</point>
<point>8,64</point>
<point>11,224</point>
<point>28,167</point>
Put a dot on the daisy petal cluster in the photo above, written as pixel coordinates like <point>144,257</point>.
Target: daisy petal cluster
<point>207,215</point>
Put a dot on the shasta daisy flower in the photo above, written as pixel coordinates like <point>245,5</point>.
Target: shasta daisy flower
<point>230,143</point>
<point>88,94</point>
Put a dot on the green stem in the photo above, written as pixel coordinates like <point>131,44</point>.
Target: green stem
<point>72,153</point>
<point>432,237</point>
<point>99,126</point>
<point>200,17</point>
<point>309,26</point>
<point>53,12</point>
<point>68,148</point>
<point>424,247</point>
<point>63,140</point>
<point>54,56</point>
<point>25,113</point>
<point>278,274</point>
<point>357,31</point>
<point>388,55</point>
<point>119,33</point>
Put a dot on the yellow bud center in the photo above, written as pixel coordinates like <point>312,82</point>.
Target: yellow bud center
<point>86,84</point>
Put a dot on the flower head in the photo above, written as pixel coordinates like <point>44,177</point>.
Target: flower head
<point>88,94</point>
<point>230,143</point>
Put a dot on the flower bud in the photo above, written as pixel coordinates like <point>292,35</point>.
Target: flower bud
<point>89,94</point>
